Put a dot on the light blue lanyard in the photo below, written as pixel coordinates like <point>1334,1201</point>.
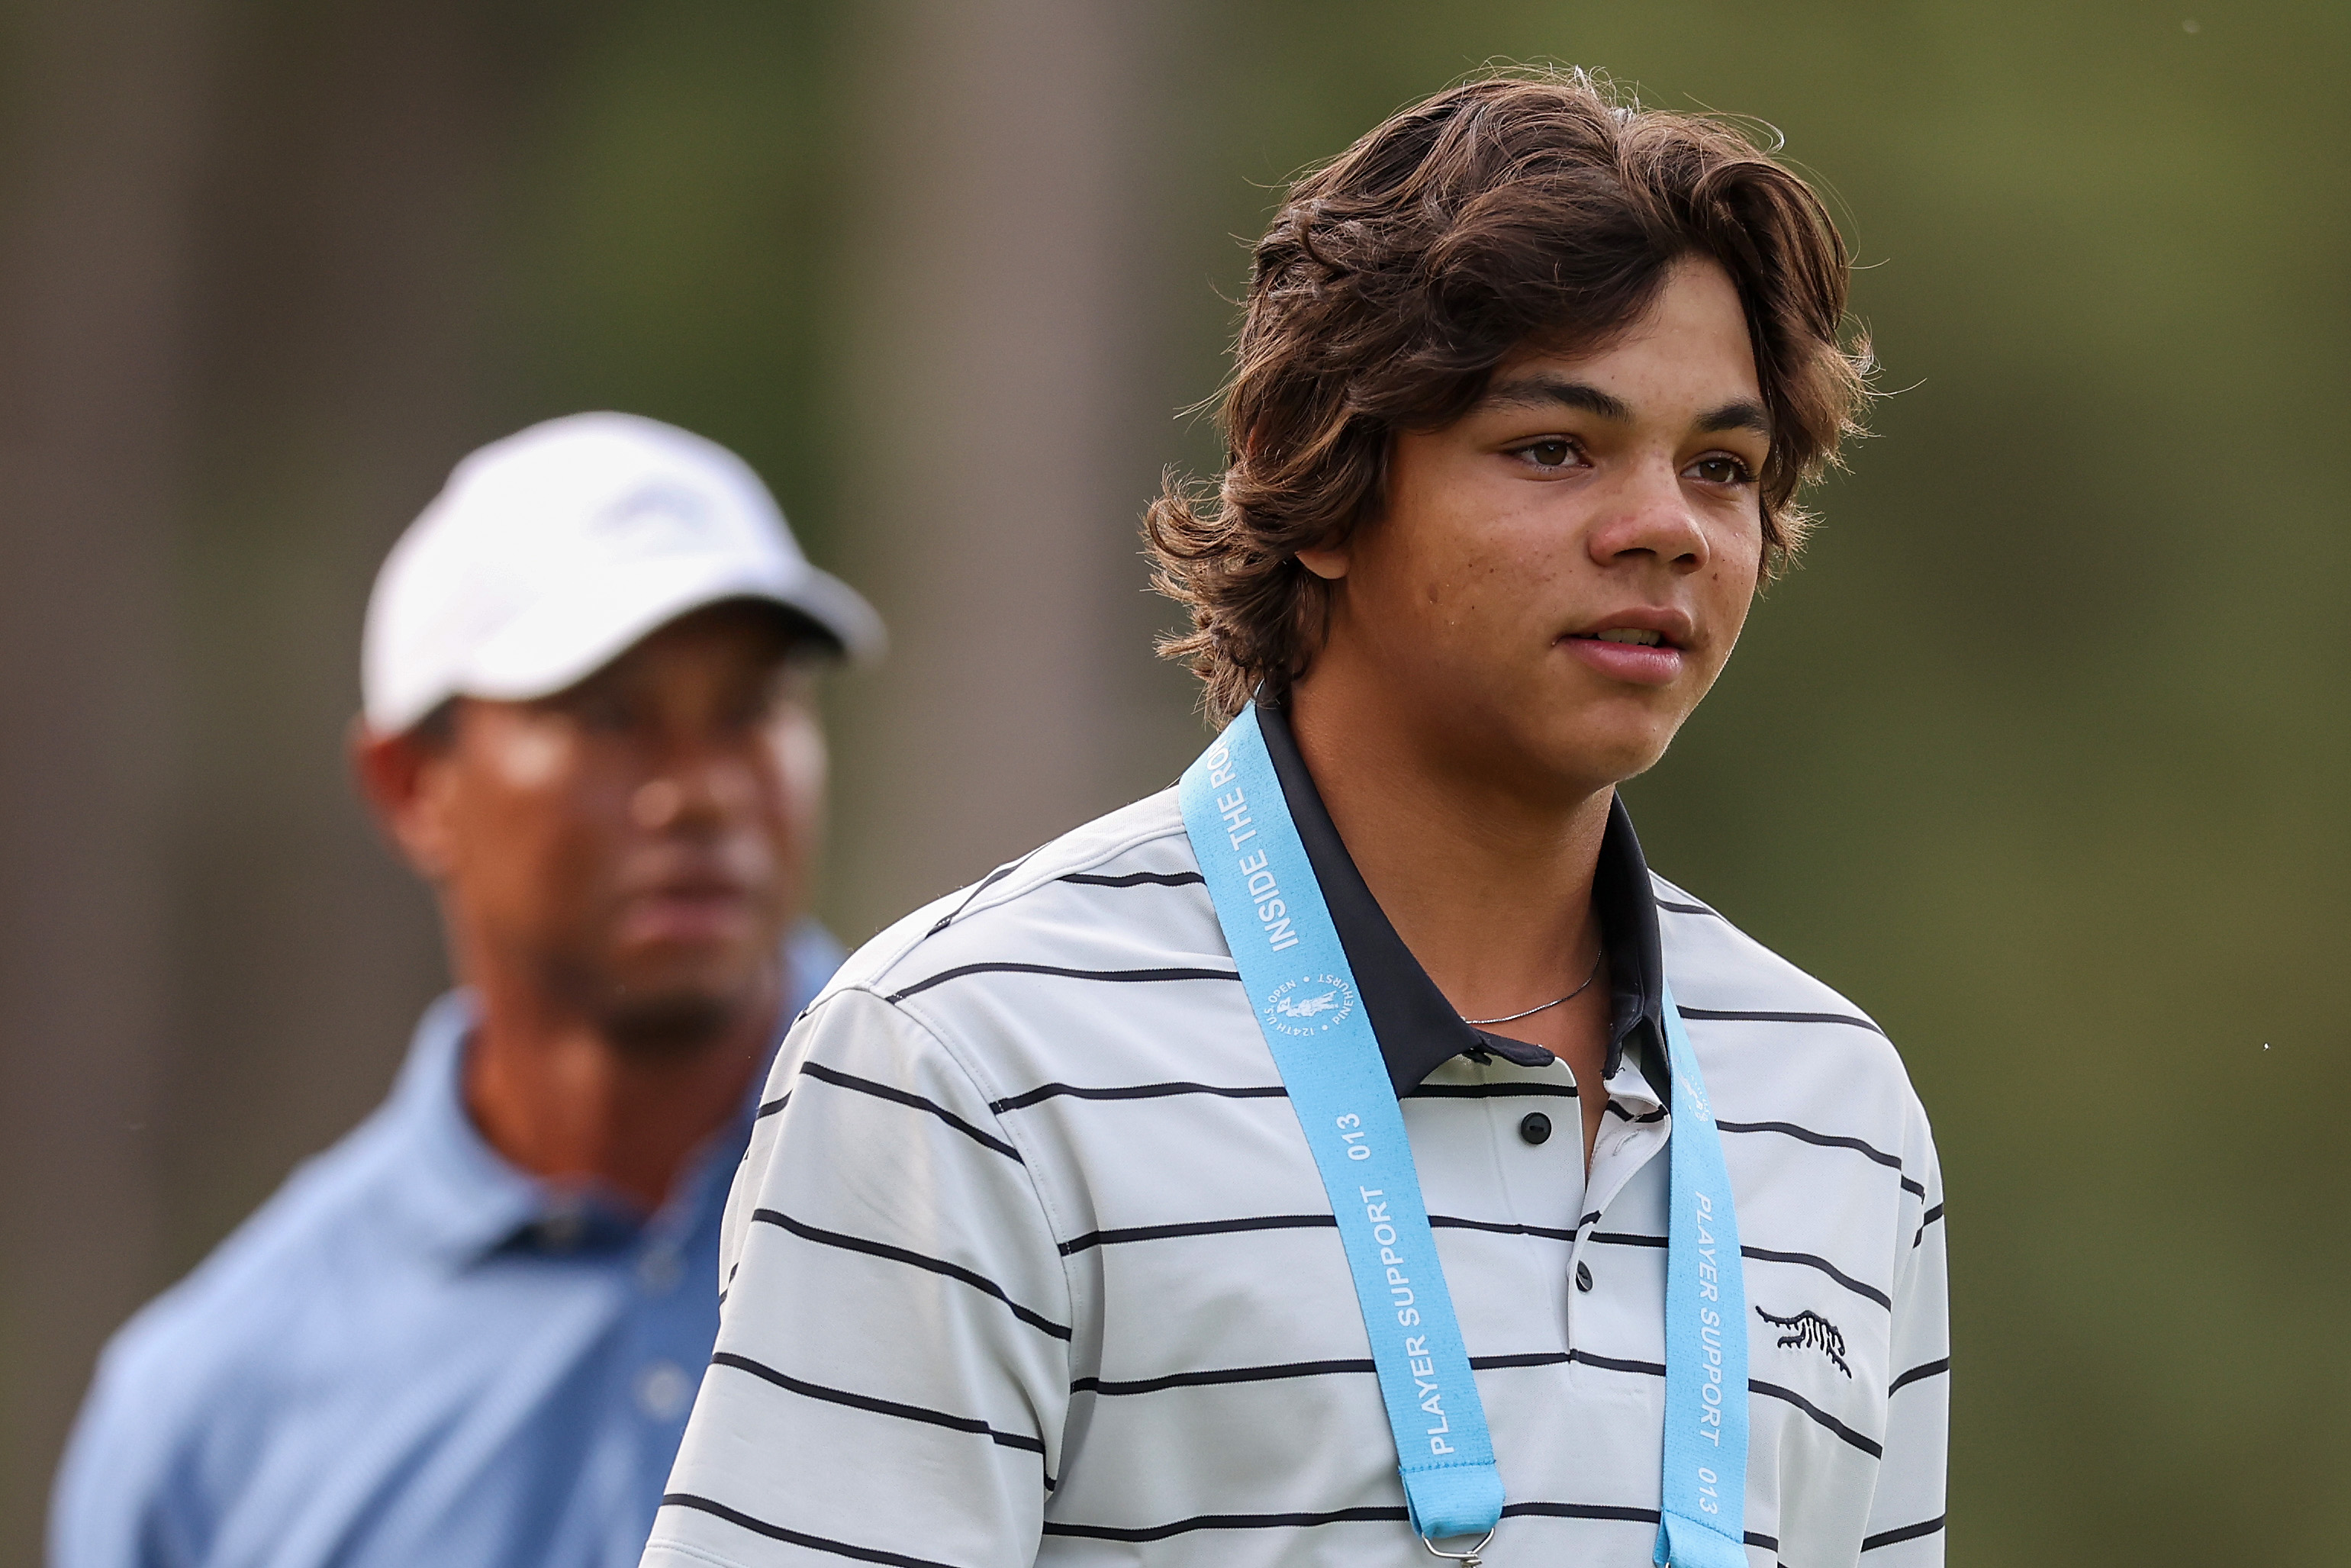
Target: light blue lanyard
<point>1296,973</point>
<point>1704,1523</point>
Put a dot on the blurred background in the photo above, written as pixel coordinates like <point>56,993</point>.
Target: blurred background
<point>2040,757</point>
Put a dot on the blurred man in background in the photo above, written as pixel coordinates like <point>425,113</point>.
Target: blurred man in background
<point>469,1333</point>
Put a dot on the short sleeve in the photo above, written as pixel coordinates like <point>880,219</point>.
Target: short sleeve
<point>893,1367</point>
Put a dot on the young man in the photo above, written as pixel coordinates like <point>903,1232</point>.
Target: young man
<point>468,1333</point>
<point>1064,1247</point>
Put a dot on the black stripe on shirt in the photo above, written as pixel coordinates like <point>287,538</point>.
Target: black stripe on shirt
<point>1137,879</point>
<point>1503,1090</point>
<point>1822,1140</point>
<point>1907,1533</point>
<point>1616,1110</point>
<point>1448,1222</point>
<point>794,1537</point>
<point>1925,1220</point>
<point>1092,1238</point>
<point>1866,1445</point>
<point>839,1079</point>
<point>1581,1511</point>
<point>1524,1359</point>
<point>1761,1254</point>
<point>1809,1261</point>
<point>1931,1369</point>
<point>1532,1509</point>
<point>772,1106</point>
<point>1627,1239</point>
<point>1115,1238</point>
<point>982,885</point>
<point>1477,1362</point>
<point>1743,1016</point>
<point>1686,909</point>
<point>1754,1385</point>
<point>1228,1375</point>
<point>960,970</point>
<point>1658,1369</point>
<point>979,1282</point>
<point>978,1428</point>
<point>1117,1388</point>
<point>1226,1522</point>
<point>1044,1092</point>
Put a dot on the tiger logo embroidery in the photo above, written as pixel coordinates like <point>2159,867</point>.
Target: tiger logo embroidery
<point>1810,1331</point>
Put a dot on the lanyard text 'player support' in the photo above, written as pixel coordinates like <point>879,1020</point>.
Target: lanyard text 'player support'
<point>1295,970</point>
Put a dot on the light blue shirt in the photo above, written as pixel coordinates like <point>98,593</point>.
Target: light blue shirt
<point>412,1353</point>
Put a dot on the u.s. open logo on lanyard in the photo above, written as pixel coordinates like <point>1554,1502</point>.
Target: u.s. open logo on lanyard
<point>1308,1006</point>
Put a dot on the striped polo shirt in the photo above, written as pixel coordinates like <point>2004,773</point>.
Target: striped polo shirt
<point>1030,1262</point>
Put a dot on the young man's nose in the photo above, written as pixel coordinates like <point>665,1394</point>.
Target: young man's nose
<point>1651,517</point>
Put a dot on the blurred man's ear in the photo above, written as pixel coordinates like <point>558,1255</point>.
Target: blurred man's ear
<point>406,780</point>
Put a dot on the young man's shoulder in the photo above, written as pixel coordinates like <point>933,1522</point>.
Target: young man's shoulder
<point>1708,954</point>
<point>1779,1046</point>
<point>1107,897</point>
<point>1048,956</point>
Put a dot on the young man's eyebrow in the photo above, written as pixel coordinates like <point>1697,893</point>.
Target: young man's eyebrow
<point>1740,416</point>
<point>1556,391</point>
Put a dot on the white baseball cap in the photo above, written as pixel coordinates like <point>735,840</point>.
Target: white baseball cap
<point>550,553</point>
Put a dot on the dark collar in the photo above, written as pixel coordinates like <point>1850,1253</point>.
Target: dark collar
<point>1418,1030</point>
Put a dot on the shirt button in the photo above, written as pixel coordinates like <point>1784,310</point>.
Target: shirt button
<point>663,1390</point>
<point>1583,1276</point>
<point>1536,1128</point>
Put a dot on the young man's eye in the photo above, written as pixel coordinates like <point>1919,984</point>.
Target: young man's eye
<point>1721,468</point>
<point>1549,453</point>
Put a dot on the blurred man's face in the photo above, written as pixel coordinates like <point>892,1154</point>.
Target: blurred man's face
<point>638,845</point>
<point>1557,577</point>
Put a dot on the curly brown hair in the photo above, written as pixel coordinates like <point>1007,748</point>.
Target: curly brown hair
<point>1515,209</point>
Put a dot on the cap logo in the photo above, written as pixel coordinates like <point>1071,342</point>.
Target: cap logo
<point>655,518</point>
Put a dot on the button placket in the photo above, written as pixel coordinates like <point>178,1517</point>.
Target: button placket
<point>1621,1153</point>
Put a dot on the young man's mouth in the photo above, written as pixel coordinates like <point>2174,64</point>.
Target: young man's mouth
<point>1639,655</point>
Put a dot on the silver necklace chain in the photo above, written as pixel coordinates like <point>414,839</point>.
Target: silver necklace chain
<point>1556,1001</point>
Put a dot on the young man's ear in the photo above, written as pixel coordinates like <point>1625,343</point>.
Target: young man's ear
<point>1328,562</point>
<point>403,778</point>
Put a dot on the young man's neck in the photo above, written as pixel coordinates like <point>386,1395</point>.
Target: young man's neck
<point>1489,885</point>
<point>552,1092</point>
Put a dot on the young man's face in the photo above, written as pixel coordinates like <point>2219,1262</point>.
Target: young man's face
<point>635,847</point>
<point>1557,578</point>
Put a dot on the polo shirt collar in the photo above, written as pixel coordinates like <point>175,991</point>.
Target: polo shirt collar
<point>460,1198</point>
<point>1417,1028</point>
